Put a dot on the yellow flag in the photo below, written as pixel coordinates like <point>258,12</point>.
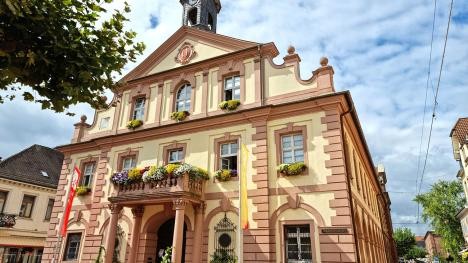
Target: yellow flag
<point>244,209</point>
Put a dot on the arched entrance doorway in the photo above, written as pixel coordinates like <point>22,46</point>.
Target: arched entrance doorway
<point>165,238</point>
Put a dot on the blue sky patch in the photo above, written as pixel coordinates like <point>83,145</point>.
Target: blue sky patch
<point>154,21</point>
<point>461,17</point>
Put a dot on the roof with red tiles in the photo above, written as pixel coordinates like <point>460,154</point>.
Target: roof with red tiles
<point>460,130</point>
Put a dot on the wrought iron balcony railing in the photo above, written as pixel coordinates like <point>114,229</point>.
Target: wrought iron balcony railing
<point>7,220</point>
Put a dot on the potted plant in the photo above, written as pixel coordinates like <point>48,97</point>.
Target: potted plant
<point>154,174</point>
<point>224,175</point>
<point>229,105</point>
<point>133,124</point>
<point>195,173</point>
<point>120,178</point>
<point>179,115</point>
<point>83,190</point>
<point>289,169</point>
<point>135,175</point>
<point>222,257</point>
<point>167,257</point>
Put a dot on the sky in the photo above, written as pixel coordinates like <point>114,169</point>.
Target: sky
<point>379,51</point>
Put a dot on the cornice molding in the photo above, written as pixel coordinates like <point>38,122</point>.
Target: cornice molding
<point>247,116</point>
<point>26,185</point>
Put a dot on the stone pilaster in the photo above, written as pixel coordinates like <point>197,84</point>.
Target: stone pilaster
<point>93,241</point>
<point>259,243</point>
<point>50,245</point>
<point>337,247</point>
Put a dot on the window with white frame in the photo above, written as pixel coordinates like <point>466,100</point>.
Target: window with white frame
<point>292,148</point>
<point>183,98</point>
<point>27,206</point>
<point>139,109</point>
<point>50,206</point>
<point>88,171</point>
<point>228,155</point>
<point>72,246</point>
<point>3,198</point>
<point>128,163</point>
<point>232,88</point>
<point>104,123</point>
<point>176,155</point>
<point>298,245</point>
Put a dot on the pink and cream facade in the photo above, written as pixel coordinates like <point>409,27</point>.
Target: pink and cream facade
<point>333,209</point>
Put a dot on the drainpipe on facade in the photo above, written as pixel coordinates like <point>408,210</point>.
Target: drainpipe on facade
<point>348,179</point>
<point>262,86</point>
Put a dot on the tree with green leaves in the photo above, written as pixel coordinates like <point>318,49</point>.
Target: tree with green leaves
<point>415,252</point>
<point>404,240</point>
<point>440,206</point>
<point>60,53</point>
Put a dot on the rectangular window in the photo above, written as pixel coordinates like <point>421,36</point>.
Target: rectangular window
<point>104,123</point>
<point>50,206</point>
<point>139,109</point>
<point>3,198</point>
<point>232,88</point>
<point>88,171</point>
<point>73,246</point>
<point>27,206</point>
<point>298,245</point>
<point>128,163</point>
<point>228,156</point>
<point>292,148</point>
<point>176,156</point>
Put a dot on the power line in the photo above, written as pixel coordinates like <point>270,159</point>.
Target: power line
<point>425,99</point>
<point>435,98</point>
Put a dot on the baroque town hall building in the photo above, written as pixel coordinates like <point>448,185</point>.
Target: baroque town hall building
<point>161,166</point>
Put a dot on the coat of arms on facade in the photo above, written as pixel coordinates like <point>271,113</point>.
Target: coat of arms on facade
<point>185,54</point>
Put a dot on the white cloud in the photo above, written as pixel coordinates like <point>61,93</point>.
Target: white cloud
<point>379,50</point>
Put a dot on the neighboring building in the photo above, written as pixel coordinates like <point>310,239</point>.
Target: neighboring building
<point>420,241</point>
<point>334,210</point>
<point>459,135</point>
<point>28,183</point>
<point>433,244</point>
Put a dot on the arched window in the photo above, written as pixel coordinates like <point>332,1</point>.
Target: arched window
<point>225,233</point>
<point>192,16</point>
<point>183,98</point>
<point>210,21</point>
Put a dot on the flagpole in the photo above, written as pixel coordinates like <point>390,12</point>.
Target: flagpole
<point>243,200</point>
<point>241,230</point>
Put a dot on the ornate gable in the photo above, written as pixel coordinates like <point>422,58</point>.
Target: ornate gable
<point>187,45</point>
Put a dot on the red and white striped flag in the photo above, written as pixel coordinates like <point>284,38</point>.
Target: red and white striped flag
<point>71,194</point>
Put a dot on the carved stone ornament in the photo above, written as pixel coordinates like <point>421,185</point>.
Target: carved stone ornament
<point>185,54</point>
<point>114,208</point>
<point>225,204</point>
<point>179,204</point>
<point>294,201</point>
